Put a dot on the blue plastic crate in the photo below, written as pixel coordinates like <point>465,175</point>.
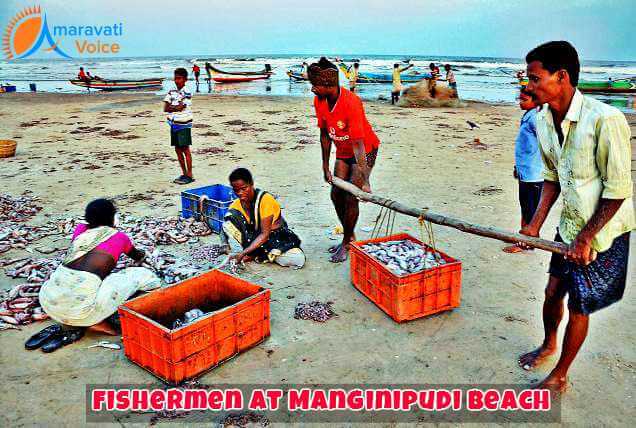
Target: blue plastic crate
<point>213,209</point>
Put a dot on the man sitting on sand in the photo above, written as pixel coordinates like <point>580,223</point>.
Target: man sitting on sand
<point>177,104</point>
<point>528,169</point>
<point>585,145</point>
<point>341,120</point>
<point>255,221</point>
<point>83,291</point>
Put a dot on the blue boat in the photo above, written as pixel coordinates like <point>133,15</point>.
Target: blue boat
<point>384,78</point>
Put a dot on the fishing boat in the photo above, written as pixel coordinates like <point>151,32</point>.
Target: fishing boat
<point>388,78</point>
<point>384,77</point>
<point>225,78</point>
<point>621,86</point>
<point>608,86</point>
<point>296,77</point>
<point>266,71</point>
<point>118,85</point>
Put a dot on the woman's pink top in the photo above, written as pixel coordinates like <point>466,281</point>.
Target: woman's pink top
<point>116,245</point>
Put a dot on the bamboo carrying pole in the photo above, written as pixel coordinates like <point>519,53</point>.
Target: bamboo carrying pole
<point>475,229</point>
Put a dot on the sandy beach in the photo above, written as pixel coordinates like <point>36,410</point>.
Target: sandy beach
<point>73,148</point>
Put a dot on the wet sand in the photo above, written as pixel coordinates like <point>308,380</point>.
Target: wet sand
<point>73,148</point>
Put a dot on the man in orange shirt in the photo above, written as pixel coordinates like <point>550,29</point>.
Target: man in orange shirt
<point>341,120</point>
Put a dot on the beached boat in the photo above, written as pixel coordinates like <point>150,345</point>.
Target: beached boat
<point>608,87</point>
<point>296,76</point>
<point>625,86</point>
<point>266,71</point>
<point>118,85</point>
<point>219,78</point>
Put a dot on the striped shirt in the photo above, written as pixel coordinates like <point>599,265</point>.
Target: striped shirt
<point>179,119</point>
<point>594,162</point>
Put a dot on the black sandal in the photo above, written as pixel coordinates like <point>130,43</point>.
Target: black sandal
<point>39,338</point>
<point>62,339</point>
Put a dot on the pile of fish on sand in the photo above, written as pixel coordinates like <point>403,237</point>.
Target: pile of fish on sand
<point>404,257</point>
<point>314,311</point>
<point>248,419</point>
<point>14,212</point>
<point>20,305</point>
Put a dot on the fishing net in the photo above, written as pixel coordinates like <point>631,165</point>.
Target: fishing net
<point>426,94</point>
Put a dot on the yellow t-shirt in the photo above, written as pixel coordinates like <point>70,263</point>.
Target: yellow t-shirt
<point>268,207</point>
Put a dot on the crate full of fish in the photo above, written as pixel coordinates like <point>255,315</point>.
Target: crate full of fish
<point>404,277</point>
<point>181,331</point>
<point>208,204</point>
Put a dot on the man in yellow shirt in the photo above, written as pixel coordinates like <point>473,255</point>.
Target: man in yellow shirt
<point>397,82</point>
<point>255,221</point>
<point>585,146</point>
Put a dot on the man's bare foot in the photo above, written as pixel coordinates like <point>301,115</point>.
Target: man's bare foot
<point>512,249</point>
<point>103,327</point>
<point>532,359</point>
<point>341,255</point>
<point>334,248</point>
<point>556,384</point>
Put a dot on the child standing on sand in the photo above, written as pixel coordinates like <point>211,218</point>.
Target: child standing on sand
<point>177,104</point>
<point>528,169</point>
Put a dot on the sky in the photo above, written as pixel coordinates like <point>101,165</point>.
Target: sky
<point>599,29</point>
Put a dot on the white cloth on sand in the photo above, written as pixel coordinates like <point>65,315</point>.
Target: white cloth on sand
<point>83,299</point>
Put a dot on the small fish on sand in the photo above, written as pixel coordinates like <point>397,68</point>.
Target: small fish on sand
<point>314,311</point>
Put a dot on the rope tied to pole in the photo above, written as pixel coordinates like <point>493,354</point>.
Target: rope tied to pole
<point>427,233</point>
<point>386,220</point>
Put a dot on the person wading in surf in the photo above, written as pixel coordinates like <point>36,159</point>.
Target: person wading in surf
<point>342,121</point>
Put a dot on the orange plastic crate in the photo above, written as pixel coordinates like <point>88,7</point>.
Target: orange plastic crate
<point>239,319</point>
<point>410,296</point>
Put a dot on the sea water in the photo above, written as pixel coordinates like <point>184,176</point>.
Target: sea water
<point>478,78</point>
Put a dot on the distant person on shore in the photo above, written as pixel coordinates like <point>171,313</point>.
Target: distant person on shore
<point>208,70</point>
<point>528,169</point>
<point>305,74</point>
<point>197,71</point>
<point>354,71</point>
<point>397,82</point>
<point>342,121</point>
<point>432,82</point>
<point>256,222</point>
<point>177,103</point>
<point>82,75</point>
<point>435,73</point>
<point>450,77</point>
<point>585,146</point>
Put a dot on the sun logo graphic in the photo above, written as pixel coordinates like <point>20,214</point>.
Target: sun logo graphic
<point>25,34</point>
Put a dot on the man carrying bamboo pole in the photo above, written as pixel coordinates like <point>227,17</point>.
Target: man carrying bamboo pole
<point>585,146</point>
<point>341,120</point>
